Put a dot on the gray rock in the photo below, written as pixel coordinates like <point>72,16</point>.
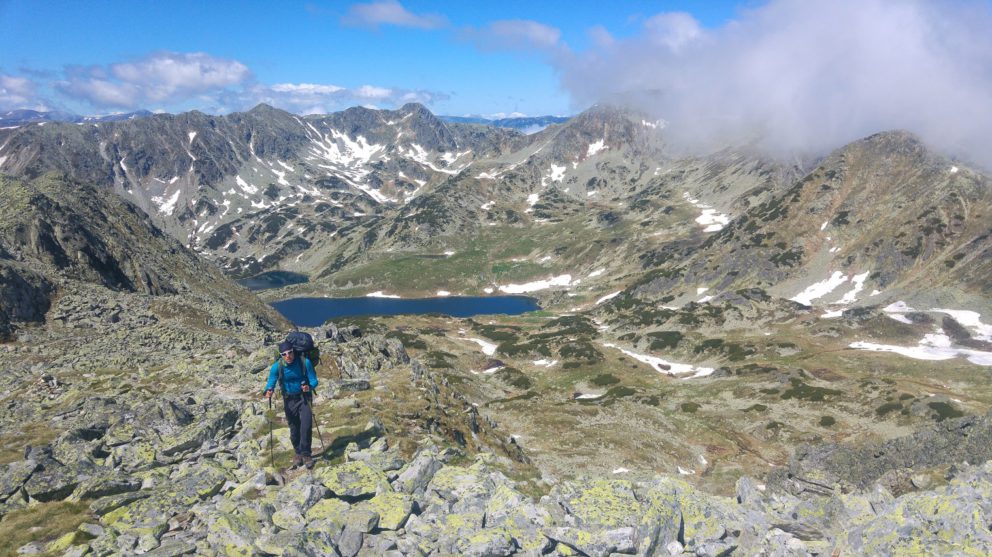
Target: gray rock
<point>13,477</point>
<point>173,548</point>
<point>350,542</point>
<point>104,485</point>
<point>418,474</point>
<point>489,542</point>
<point>51,482</point>
<point>362,520</point>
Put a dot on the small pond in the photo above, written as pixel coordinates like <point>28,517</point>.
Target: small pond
<point>272,279</point>
<point>311,312</point>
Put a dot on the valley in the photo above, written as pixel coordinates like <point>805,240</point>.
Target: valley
<point>714,320</point>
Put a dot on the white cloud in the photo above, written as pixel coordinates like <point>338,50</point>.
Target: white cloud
<point>162,77</point>
<point>372,92</point>
<point>389,12</point>
<point>804,76</point>
<point>515,34</point>
<point>306,88</point>
<point>18,92</point>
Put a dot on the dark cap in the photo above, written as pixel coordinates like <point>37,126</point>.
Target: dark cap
<point>285,347</point>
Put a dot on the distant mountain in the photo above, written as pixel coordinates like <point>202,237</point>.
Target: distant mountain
<point>227,185</point>
<point>23,117</point>
<point>523,124</point>
<point>347,197</point>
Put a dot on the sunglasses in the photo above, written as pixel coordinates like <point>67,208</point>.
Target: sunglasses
<point>287,354</point>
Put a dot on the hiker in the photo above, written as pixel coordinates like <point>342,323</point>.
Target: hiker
<point>297,394</point>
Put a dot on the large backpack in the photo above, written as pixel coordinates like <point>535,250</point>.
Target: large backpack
<point>303,345</point>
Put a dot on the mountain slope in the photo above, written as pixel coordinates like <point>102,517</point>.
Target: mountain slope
<point>883,213</point>
<point>59,236</point>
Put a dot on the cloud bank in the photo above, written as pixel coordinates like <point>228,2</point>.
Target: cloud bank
<point>18,92</point>
<point>217,85</point>
<point>799,76</point>
<point>160,78</point>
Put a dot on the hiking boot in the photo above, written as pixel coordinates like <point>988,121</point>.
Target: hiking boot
<point>308,462</point>
<point>297,461</point>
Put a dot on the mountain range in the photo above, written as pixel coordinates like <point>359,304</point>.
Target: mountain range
<point>707,316</point>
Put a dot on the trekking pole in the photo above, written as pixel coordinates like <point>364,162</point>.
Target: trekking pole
<point>272,463</point>
<point>314,416</point>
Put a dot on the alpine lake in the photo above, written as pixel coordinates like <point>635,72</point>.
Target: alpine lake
<point>312,312</point>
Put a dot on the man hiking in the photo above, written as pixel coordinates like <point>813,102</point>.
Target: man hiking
<point>297,381</point>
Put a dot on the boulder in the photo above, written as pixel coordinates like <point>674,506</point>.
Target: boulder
<point>353,480</point>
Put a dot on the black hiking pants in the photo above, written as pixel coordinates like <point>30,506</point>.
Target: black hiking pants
<point>300,420</point>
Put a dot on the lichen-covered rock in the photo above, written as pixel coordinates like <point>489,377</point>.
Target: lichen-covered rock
<point>415,476</point>
<point>599,503</point>
<point>281,543</point>
<point>51,481</point>
<point>201,479</point>
<point>14,475</point>
<point>519,516</point>
<point>599,543</point>
<point>104,485</point>
<point>289,518</point>
<point>393,509</point>
<point>952,520</point>
<point>378,456</point>
<point>233,534</point>
<point>488,542</point>
<point>301,493</point>
<point>353,480</point>
<point>703,518</point>
<point>172,548</point>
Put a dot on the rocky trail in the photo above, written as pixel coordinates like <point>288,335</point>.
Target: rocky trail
<point>410,468</point>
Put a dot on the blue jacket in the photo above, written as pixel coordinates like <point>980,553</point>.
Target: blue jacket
<point>292,375</point>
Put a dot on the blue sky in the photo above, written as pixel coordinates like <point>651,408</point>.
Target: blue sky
<point>787,75</point>
<point>458,57</point>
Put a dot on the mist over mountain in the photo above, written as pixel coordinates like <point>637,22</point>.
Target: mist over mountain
<point>803,77</point>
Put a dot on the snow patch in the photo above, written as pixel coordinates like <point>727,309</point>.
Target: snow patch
<point>380,294</point>
<point>167,206</point>
<point>663,366</point>
<point>824,225</point>
<point>711,220</point>
<point>859,285</point>
<point>932,347</point>
<point>561,280</point>
<point>596,147</point>
<point>545,363</point>
<point>282,177</point>
<point>192,135</point>
<point>954,170</point>
<point>488,348</point>
<point>971,320</point>
<point>596,273</point>
<point>248,188</point>
<point>819,289</point>
<point>443,293</point>
<point>608,297</point>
